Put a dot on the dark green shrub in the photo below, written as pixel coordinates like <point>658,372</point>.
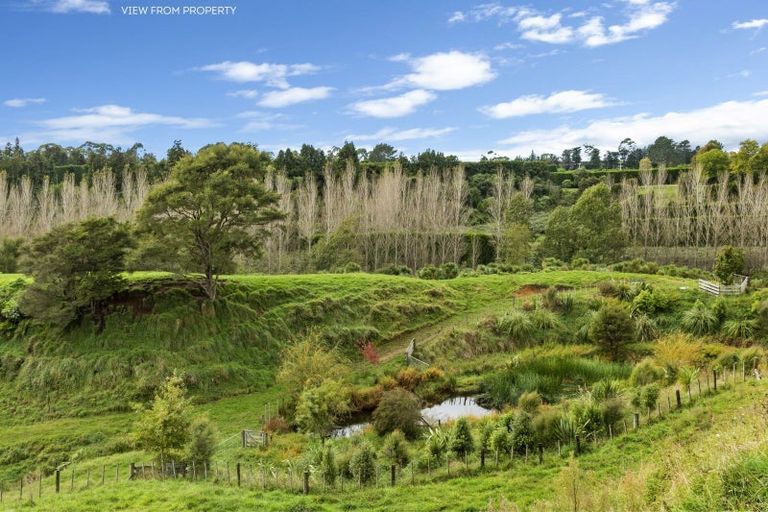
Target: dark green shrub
<point>397,410</point>
<point>363,464</point>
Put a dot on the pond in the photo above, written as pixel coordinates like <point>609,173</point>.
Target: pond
<point>447,410</point>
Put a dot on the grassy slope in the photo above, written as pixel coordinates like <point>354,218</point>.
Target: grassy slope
<point>648,469</point>
<point>230,357</point>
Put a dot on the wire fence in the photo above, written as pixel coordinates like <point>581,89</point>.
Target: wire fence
<point>294,477</point>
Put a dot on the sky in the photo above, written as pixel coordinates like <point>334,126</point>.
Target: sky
<point>461,77</point>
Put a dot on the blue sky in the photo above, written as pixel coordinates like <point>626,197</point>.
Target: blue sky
<point>462,77</point>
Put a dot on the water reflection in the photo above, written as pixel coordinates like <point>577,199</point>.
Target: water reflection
<point>447,410</point>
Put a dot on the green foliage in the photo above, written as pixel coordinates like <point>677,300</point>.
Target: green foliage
<point>745,483</point>
<point>515,244</point>
<point>10,251</point>
<point>741,328</point>
<point>530,401</point>
<point>395,449</point>
<point>646,328</point>
<point>700,319</point>
<point>501,439</point>
<point>212,208</point>
<point>522,431</point>
<point>714,161</point>
<point>462,443</point>
<point>646,372</point>
<point>337,248</point>
<point>437,443</point>
<point>320,408</point>
<point>363,464</point>
<point>649,396</point>
<point>612,329</point>
<point>397,410</point>
<point>328,468</point>
<point>75,269</point>
<point>590,229</point>
<point>163,428</point>
<point>517,325</point>
<point>307,363</point>
<point>649,302</point>
<point>202,441</point>
<point>729,261</point>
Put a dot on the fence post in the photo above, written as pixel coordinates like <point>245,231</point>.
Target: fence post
<point>40,485</point>
<point>58,480</point>
<point>392,470</point>
<point>637,420</point>
<point>541,453</point>
<point>610,431</point>
<point>306,482</point>
<point>238,474</point>
<point>131,470</point>
<point>714,373</point>
<point>72,481</point>
<point>677,398</point>
<point>173,469</point>
<point>21,488</point>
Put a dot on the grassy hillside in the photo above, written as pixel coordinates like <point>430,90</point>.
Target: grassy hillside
<point>65,397</point>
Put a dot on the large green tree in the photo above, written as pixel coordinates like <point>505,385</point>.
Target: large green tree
<point>612,329</point>
<point>589,229</point>
<point>76,269</point>
<point>212,207</point>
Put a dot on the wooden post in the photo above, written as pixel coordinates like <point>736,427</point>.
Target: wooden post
<point>117,473</point>
<point>131,470</point>
<point>306,482</point>
<point>58,481</point>
<point>734,374</point>
<point>392,470</point>
<point>625,424</point>
<point>21,488</point>
<point>72,480</point>
<point>103,473</point>
<point>238,474</point>
<point>706,374</point>
<point>173,469</point>
<point>677,398</point>
<point>194,472</point>
<point>40,485</point>
<point>541,453</point>
<point>205,471</point>
<point>637,420</point>
<point>714,373</point>
<point>610,431</point>
<point>698,381</point>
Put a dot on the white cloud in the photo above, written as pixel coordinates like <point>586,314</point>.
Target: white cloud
<point>641,16</point>
<point>447,71</point>
<point>557,102</point>
<point>244,93</point>
<point>730,122</point>
<point>395,106</point>
<point>23,102</point>
<point>293,95</point>
<point>70,6</point>
<point>756,23</point>
<point>508,46</point>
<point>744,73</point>
<point>758,50</point>
<point>485,12</point>
<point>760,93</point>
<point>109,123</point>
<point>274,75</point>
<point>395,135</point>
<point>260,121</point>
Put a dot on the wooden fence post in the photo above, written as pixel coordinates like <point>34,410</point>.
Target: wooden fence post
<point>541,453</point>
<point>677,398</point>
<point>392,470</point>
<point>238,474</point>
<point>306,482</point>
<point>72,481</point>
<point>58,480</point>
<point>637,420</point>
<point>610,432</point>
<point>714,372</point>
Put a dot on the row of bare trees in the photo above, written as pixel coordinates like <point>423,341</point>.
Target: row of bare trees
<point>689,226</point>
<point>386,219</point>
<point>27,211</point>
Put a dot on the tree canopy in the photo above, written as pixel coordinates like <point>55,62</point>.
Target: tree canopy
<point>212,208</point>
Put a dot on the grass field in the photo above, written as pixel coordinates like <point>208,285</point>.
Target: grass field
<point>66,397</point>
